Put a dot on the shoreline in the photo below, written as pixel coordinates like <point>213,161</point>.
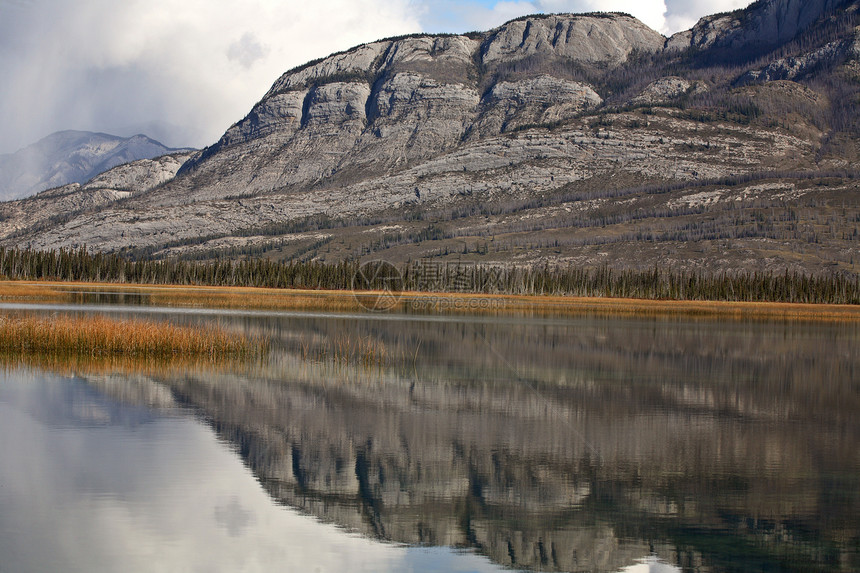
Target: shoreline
<point>259,298</point>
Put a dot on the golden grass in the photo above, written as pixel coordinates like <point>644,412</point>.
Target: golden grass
<point>567,305</point>
<point>257,299</point>
<point>102,336</point>
<point>31,292</point>
<point>162,367</point>
<point>186,296</point>
<point>346,301</point>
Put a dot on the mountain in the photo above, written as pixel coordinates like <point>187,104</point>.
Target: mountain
<point>584,139</point>
<point>70,157</point>
<point>43,210</point>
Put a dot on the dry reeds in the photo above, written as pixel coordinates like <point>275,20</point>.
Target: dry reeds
<point>29,292</point>
<point>158,366</point>
<point>348,351</point>
<point>102,336</point>
<point>257,299</point>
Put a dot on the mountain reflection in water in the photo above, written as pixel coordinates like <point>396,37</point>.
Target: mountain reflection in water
<point>557,445</point>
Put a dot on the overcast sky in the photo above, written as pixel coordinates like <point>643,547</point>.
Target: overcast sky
<point>183,71</point>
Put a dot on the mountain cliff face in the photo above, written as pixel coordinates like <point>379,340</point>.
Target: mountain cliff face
<point>70,157</point>
<point>391,104</point>
<point>581,139</point>
<point>766,24</point>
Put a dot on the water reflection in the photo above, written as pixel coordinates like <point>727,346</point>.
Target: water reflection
<point>94,296</point>
<point>152,490</point>
<point>564,445</point>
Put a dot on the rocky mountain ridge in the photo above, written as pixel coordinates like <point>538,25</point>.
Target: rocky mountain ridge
<point>104,189</point>
<point>764,25</point>
<point>526,137</point>
<point>70,157</point>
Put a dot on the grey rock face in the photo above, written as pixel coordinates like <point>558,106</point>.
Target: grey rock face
<point>794,67</point>
<point>278,113</point>
<point>663,90</point>
<point>604,38</point>
<point>121,182</point>
<point>356,61</point>
<point>139,176</point>
<point>539,100</point>
<point>415,114</point>
<point>371,109</point>
<point>447,54</point>
<point>706,33</point>
<point>335,107</point>
<point>389,104</point>
<point>768,23</point>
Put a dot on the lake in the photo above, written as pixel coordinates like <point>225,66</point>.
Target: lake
<point>463,443</point>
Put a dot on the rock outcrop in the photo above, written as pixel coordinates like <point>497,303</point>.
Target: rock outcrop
<point>539,100</point>
<point>607,39</point>
<point>793,67</point>
<point>664,90</point>
<point>121,182</point>
<point>139,176</point>
<point>765,24</point>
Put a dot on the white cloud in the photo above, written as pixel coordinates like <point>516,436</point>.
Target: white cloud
<point>683,14</point>
<point>648,11</point>
<point>198,64</point>
<point>665,16</point>
<point>247,50</point>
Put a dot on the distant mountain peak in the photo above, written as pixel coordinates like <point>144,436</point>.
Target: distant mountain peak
<point>70,156</point>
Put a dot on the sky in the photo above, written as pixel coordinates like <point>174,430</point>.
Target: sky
<point>183,71</point>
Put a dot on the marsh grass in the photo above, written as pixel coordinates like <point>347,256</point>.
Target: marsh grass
<point>259,299</point>
<point>99,336</point>
<point>185,296</point>
<point>433,303</point>
<point>549,306</point>
<point>102,365</point>
<point>28,292</point>
<point>363,351</point>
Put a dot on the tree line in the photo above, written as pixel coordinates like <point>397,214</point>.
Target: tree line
<point>433,275</point>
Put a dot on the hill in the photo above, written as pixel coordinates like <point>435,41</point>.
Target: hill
<point>582,139</point>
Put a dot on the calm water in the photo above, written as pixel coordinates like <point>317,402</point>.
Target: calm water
<point>485,444</point>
